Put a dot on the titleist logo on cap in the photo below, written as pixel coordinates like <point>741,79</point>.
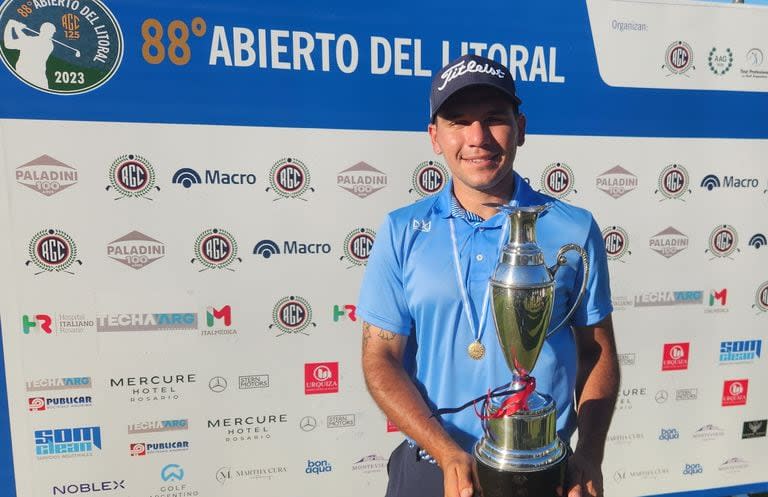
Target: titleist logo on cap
<point>462,68</point>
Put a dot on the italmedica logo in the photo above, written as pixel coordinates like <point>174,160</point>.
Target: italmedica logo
<point>268,248</point>
<point>186,177</point>
<point>717,301</point>
<point>712,182</point>
<point>67,442</point>
<point>734,351</point>
<point>214,318</point>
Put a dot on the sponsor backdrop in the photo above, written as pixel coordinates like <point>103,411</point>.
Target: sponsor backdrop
<point>191,194</point>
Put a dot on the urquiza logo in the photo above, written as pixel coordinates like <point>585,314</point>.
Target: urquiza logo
<point>693,469</point>
<point>361,180</point>
<point>372,463</point>
<point>292,315</point>
<point>733,351</point>
<point>37,404</point>
<point>317,467</point>
<point>761,298</point>
<point>428,178</point>
<point>758,240</point>
<point>720,61</point>
<point>616,182</point>
<point>63,323</point>
<point>357,247</point>
<point>673,182</point>
<point>629,394</point>
<point>227,473</point>
<point>723,242</point>
<point>616,241</point>
<point>214,318</point>
<point>675,356</point>
<point>157,388</point>
<point>712,181</point>
<point>52,250</point>
<point>668,298</point>
<point>46,175</point>
<point>289,178</point>
<point>65,383</point>
<point>62,48</point>
<point>161,321</point>
<point>754,429</point>
<point>248,428</point>
<point>735,392</point>
<point>87,488</point>
<point>668,242</point>
<point>132,176</point>
<point>158,425</point>
<point>186,177</point>
<point>678,58</point>
<point>343,312</point>
<point>392,427</point>
<point>215,248</point>
<point>668,434</point>
<point>321,377</point>
<point>557,180</point>
<point>708,432</point>
<point>268,248</point>
<point>147,448</point>
<point>67,442</point>
<point>136,250</point>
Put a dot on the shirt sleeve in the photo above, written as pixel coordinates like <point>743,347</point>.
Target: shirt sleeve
<point>382,295</point>
<point>596,303</point>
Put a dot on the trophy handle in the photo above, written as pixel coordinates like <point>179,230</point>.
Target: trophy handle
<point>561,261</point>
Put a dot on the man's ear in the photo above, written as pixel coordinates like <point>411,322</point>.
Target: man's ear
<point>432,129</point>
<point>521,122</point>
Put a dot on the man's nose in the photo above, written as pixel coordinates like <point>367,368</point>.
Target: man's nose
<point>477,133</point>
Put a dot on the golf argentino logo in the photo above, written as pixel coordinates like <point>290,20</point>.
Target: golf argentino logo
<point>65,47</point>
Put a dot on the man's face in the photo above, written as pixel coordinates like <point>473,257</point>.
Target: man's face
<point>478,133</point>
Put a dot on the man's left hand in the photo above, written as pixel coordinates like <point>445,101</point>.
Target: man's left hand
<point>583,477</point>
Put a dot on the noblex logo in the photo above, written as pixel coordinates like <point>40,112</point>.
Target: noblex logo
<point>723,242</point>
<point>132,176</point>
<point>668,242</point>
<point>761,298</point>
<point>52,250</point>
<point>675,356</point>
<point>289,178</point>
<point>678,58</point>
<point>673,182</point>
<point>616,241</point>
<point>735,392</point>
<point>361,180</point>
<point>558,180</point>
<point>428,178</point>
<point>292,315</point>
<point>754,429</point>
<point>321,377</point>
<point>136,250</point>
<point>215,249</point>
<point>357,246</point>
<point>46,175</point>
<point>616,182</point>
<point>40,322</point>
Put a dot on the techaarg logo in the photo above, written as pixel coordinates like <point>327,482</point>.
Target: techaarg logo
<point>268,248</point>
<point>667,298</point>
<point>186,177</point>
<point>711,182</point>
<point>147,322</point>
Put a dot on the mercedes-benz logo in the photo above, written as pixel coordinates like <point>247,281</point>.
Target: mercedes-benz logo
<point>217,384</point>
<point>661,396</point>
<point>308,423</point>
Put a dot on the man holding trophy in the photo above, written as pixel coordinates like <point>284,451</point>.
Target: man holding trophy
<point>489,405</point>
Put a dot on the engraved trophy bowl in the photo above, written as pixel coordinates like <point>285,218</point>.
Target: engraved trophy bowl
<point>520,452</point>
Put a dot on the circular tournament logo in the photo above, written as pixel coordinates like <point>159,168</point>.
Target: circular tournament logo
<point>616,242</point>
<point>673,181</point>
<point>736,388</point>
<point>52,250</point>
<point>62,47</point>
<point>557,180</point>
<point>215,248</point>
<point>429,178</point>
<point>292,314</point>
<point>322,373</point>
<point>289,177</point>
<point>676,352</point>
<point>761,297</point>
<point>132,175</point>
<point>755,57</point>
<point>723,241</point>
<point>358,245</point>
<point>678,57</point>
<point>720,63</point>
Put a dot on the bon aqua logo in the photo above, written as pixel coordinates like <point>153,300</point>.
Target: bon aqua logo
<point>65,47</point>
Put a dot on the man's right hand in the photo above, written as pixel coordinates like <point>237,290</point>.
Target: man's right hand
<point>459,474</point>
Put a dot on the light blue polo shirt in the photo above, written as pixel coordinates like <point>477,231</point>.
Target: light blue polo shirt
<point>410,288</point>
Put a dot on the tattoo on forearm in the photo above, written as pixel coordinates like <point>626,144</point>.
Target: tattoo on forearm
<point>386,335</point>
<point>366,333</point>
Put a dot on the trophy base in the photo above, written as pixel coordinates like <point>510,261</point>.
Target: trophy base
<point>544,483</point>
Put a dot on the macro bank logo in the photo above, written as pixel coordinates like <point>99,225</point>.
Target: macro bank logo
<point>758,240</point>
<point>321,377</point>
<point>735,392</point>
<point>292,315</point>
<point>268,248</point>
<point>668,242</point>
<point>616,182</point>
<point>673,183</point>
<point>46,175</point>
<point>723,242</point>
<point>132,176</point>
<point>289,178</point>
<point>557,180</point>
<point>361,180</point>
<point>675,356</point>
<point>136,250</point>
<point>712,182</point>
<point>67,442</point>
<point>737,351</point>
<point>215,248</point>
<point>357,247</point>
<point>428,178</point>
<point>52,250</point>
<point>616,241</point>
<point>186,177</point>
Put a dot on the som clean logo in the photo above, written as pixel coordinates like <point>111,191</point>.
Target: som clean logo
<point>67,442</point>
<point>46,175</point>
<point>88,487</point>
<point>186,177</point>
<point>734,351</point>
<point>52,250</point>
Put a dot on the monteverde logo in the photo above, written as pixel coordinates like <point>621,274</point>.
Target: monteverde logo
<point>292,315</point>
<point>289,178</point>
<point>132,176</point>
<point>720,62</point>
<point>558,180</point>
<point>52,250</point>
<point>678,58</point>
<point>723,242</point>
<point>215,249</point>
<point>673,182</point>
<point>357,246</point>
<point>428,178</point>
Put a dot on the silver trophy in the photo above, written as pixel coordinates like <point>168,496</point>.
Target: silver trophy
<point>520,453</point>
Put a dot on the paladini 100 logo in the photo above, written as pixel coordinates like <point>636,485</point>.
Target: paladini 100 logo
<point>46,175</point>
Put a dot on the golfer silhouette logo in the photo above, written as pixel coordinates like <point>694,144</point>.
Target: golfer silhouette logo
<point>65,48</point>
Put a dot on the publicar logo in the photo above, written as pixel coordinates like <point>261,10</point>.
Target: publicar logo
<point>46,175</point>
<point>678,58</point>
<point>361,180</point>
<point>673,182</point>
<point>136,250</point>
<point>557,180</point>
<point>428,178</point>
<point>616,241</point>
<point>289,178</point>
<point>52,250</point>
<point>132,176</point>
<point>616,182</point>
<point>215,248</point>
<point>292,315</point>
<point>357,246</point>
<point>723,242</point>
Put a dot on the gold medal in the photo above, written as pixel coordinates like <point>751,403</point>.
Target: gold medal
<point>476,350</point>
